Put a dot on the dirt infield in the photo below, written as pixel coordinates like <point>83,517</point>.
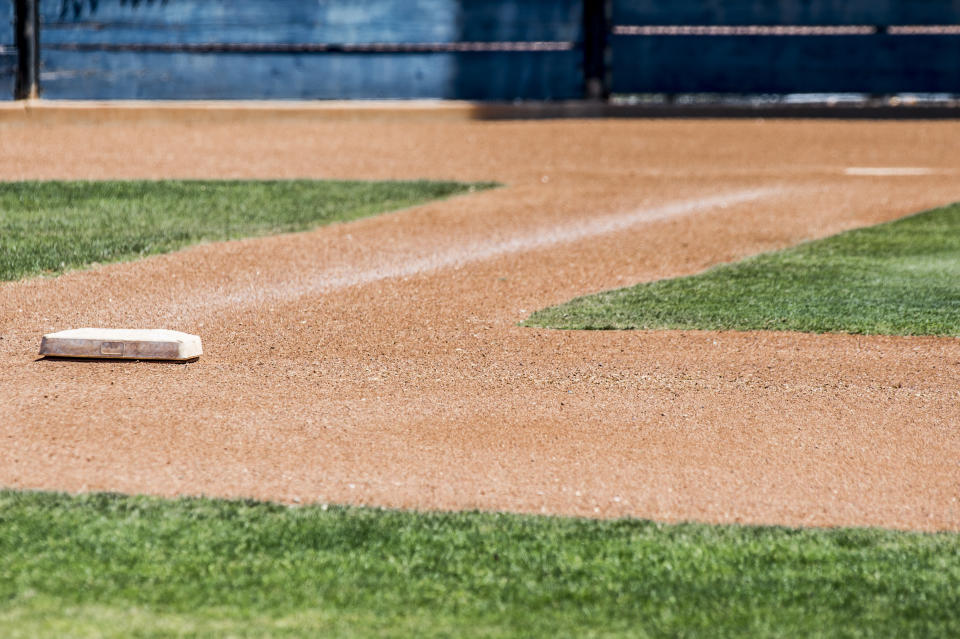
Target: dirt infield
<point>379,362</point>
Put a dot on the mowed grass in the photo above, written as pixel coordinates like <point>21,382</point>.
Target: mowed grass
<point>50,227</point>
<point>900,278</point>
<point>115,566</point>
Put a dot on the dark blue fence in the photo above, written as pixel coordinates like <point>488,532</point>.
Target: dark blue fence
<point>181,49</point>
<point>785,46</point>
<point>483,49</point>
<point>8,53</point>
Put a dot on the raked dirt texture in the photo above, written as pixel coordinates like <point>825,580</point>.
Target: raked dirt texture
<point>380,362</point>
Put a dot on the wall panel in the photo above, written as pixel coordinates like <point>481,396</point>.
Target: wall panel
<point>782,46</point>
<point>347,49</point>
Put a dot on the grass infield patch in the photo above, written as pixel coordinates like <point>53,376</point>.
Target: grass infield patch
<point>899,278</point>
<point>50,227</point>
<point>108,565</point>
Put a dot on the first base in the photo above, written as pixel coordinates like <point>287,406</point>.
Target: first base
<point>121,343</point>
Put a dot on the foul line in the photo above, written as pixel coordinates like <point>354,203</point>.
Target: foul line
<point>459,255</point>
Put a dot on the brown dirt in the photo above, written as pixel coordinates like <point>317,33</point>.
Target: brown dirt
<point>380,363</point>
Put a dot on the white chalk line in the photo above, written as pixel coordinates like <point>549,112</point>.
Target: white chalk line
<point>459,255</point>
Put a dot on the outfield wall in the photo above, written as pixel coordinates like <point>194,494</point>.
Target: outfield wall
<point>785,46</point>
<point>493,50</point>
<point>340,49</point>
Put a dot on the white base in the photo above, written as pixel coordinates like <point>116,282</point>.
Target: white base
<point>122,343</point>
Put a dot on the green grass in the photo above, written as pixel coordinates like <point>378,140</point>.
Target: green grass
<point>900,278</point>
<point>107,565</point>
<point>50,227</point>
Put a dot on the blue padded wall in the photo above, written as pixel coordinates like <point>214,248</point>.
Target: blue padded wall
<point>878,61</point>
<point>103,49</point>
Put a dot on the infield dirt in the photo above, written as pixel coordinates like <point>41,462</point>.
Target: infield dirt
<point>379,362</point>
